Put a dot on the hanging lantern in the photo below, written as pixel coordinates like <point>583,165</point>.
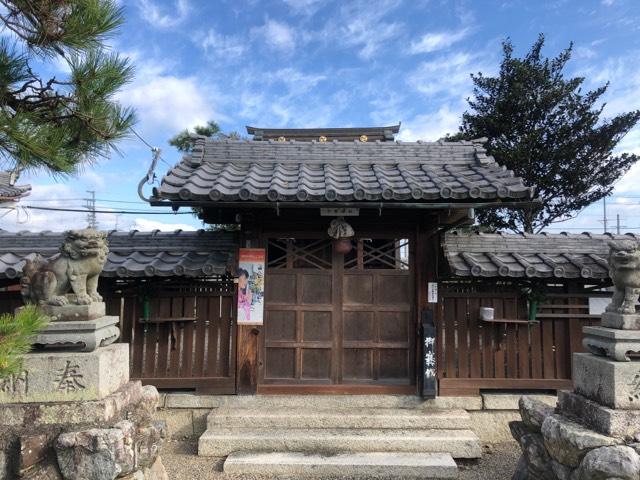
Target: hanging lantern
<point>341,233</point>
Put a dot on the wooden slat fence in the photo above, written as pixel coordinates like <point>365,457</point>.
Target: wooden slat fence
<point>188,340</point>
<point>474,354</point>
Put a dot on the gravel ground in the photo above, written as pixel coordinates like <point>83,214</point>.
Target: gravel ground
<point>182,463</point>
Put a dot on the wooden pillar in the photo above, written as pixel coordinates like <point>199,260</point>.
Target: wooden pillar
<point>249,336</point>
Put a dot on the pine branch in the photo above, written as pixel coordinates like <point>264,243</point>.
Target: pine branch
<point>17,333</point>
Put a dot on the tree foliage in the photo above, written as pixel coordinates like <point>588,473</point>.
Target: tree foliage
<point>53,123</point>
<point>184,140</point>
<point>548,131</point>
<point>17,333</point>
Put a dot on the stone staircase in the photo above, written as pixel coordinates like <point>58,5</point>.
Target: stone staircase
<point>339,436</point>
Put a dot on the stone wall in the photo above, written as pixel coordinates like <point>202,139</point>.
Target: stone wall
<point>114,437</point>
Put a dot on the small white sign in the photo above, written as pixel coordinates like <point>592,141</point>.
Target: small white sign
<point>339,212</point>
<point>432,292</point>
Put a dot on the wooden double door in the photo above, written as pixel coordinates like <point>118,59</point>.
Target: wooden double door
<point>339,322</point>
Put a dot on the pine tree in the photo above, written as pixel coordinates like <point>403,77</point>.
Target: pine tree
<point>184,140</point>
<point>17,333</point>
<point>548,131</point>
<point>60,123</point>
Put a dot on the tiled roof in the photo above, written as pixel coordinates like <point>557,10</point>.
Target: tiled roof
<point>133,254</point>
<point>8,190</point>
<point>293,171</point>
<point>527,255</point>
<point>343,134</point>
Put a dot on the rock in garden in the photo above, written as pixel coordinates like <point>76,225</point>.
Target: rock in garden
<point>538,460</point>
<point>567,442</point>
<point>606,463</point>
<point>96,454</point>
<point>562,472</point>
<point>522,472</point>
<point>148,442</point>
<point>534,412</point>
<point>518,430</point>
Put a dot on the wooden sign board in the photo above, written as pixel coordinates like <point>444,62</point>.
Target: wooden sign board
<point>339,212</point>
<point>251,286</point>
<point>429,377</point>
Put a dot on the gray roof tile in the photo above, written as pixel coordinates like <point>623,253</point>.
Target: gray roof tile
<point>133,254</point>
<point>234,170</point>
<point>530,255</point>
<point>8,190</point>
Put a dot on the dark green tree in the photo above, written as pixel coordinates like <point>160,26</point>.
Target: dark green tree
<point>548,131</point>
<point>184,140</point>
<point>60,123</point>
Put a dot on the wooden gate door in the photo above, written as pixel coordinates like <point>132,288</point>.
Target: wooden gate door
<point>339,323</point>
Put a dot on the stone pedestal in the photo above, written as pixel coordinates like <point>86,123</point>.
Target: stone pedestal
<point>68,376</point>
<point>604,420</point>
<point>621,321</point>
<point>83,335</point>
<point>611,342</point>
<point>610,383</point>
<point>73,312</point>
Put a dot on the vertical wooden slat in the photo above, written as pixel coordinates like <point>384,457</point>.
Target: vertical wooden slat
<point>176,332</point>
<point>202,312</point>
<point>150,334</point>
<point>131,311</point>
<point>186,368</point>
<point>499,339</point>
<point>548,348</point>
<point>474,338</point>
<point>462,337</point>
<point>215,328</point>
<point>524,343</point>
<point>450,369</point>
<point>510,312</point>
<point>164,336</point>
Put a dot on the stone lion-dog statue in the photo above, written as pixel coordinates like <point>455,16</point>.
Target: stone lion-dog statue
<point>624,270</point>
<point>69,277</point>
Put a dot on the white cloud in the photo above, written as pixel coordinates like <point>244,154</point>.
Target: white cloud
<point>165,101</point>
<point>447,75</point>
<point>608,3</point>
<point>433,126</point>
<point>303,7</point>
<point>221,46</point>
<point>435,41</point>
<point>175,15</point>
<point>146,225</point>
<point>361,24</point>
<point>277,35</point>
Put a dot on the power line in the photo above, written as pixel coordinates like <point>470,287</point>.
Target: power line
<point>79,210</point>
<point>150,146</point>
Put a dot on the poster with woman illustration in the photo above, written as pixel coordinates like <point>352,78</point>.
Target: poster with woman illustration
<point>251,286</point>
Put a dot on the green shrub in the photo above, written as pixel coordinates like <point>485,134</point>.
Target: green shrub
<point>17,333</point>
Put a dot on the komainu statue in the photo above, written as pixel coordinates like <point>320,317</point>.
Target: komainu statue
<point>624,270</point>
<point>71,276</point>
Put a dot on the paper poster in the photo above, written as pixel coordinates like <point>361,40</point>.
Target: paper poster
<point>432,292</point>
<point>251,286</point>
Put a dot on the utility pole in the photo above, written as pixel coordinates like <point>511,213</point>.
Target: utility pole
<point>92,220</point>
<point>618,226</point>
<point>604,218</point>
<point>118,215</point>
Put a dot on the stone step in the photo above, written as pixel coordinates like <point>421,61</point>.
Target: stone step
<point>363,418</point>
<point>222,442</point>
<point>346,465</point>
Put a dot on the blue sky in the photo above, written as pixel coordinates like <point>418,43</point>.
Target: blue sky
<point>306,63</point>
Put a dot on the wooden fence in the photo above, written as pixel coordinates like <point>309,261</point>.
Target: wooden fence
<point>510,352</point>
<point>181,335</point>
